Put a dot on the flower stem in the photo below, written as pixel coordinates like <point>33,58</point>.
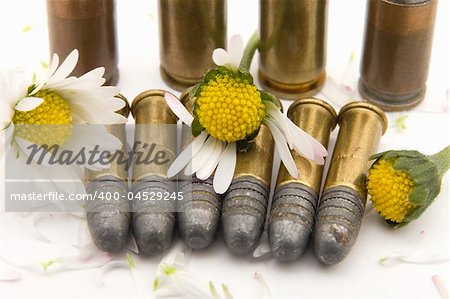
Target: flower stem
<point>249,51</point>
<point>442,160</point>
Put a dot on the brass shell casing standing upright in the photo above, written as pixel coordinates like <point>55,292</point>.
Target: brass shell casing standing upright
<point>153,221</point>
<point>293,46</point>
<point>245,202</point>
<point>90,27</point>
<point>294,202</point>
<point>396,54</point>
<point>109,220</point>
<point>189,31</point>
<point>199,214</point>
<point>343,199</point>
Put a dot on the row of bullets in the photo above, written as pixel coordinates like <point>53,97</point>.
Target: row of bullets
<point>299,211</point>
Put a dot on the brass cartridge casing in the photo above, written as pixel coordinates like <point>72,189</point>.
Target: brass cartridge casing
<point>199,214</point>
<point>90,27</point>
<point>343,199</point>
<point>109,221</point>
<point>189,31</point>
<point>295,200</point>
<point>396,54</point>
<point>153,221</point>
<point>245,203</point>
<point>293,47</point>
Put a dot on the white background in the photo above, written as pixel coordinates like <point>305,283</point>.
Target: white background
<point>360,275</point>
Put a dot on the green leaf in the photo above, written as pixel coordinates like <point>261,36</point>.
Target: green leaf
<point>267,97</point>
<point>131,261</point>
<point>197,128</point>
<point>246,76</point>
<point>424,172</point>
<point>195,91</point>
<point>406,163</point>
<point>223,70</point>
<point>244,144</point>
<point>211,75</point>
<point>419,195</point>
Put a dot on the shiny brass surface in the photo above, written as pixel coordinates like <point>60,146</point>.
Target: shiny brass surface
<point>257,160</point>
<point>115,170</point>
<point>318,119</point>
<point>396,53</point>
<point>155,124</point>
<point>189,31</point>
<point>90,27</point>
<point>361,126</point>
<point>293,46</point>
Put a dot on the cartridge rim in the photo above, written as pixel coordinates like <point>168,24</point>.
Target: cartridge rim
<point>314,101</point>
<point>125,110</point>
<point>407,2</point>
<point>144,95</point>
<point>367,106</point>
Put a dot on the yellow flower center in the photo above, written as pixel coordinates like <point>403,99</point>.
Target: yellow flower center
<point>230,108</point>
<point>389,190</point>
<point>50,123</point>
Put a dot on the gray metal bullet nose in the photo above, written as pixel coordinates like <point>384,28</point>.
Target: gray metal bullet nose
<point>242,232</point>
<point>332,242</point>
<point>288,239</point>
<point>109,229</point>
<point>291,220</point>
<point>153,232</point>
<point>198,226</point>
<point>337,224</point>
<point>199,213</point>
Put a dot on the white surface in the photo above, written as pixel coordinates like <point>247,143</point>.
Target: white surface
<point>360,275</point>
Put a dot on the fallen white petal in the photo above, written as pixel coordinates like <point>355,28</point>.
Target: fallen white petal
<point>103,270</point>
<point>7,274</point>
<point>186,155</point>
<point>29,103</point>
<point>282,148</point>
<point>36,219</point>
<point>263,247</point>
<point>225,169</point>
<point>265,291</point>
<point>280,121</point>
<point>178,108</point>
<point>440,286</point>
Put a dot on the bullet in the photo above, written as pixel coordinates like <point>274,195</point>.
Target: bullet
<point>341,206</point>
<point>153,219</point>
<point>396,52</point>
<point>109,220</point>
<point>199,213</point>
<point>90,27</point>
<point>245,203</point>
<point>293,47</point>
<point>295,200</point>
<point>189,31</point>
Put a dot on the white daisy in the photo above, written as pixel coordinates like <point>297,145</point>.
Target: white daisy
<point>228,113</point>
<point>68,112</point>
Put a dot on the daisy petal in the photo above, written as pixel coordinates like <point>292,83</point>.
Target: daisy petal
<point>220,56</point>
<point>7,274</point>
<point>208,168</point>
<point>54,65</point>
<point>65,68</point>
<point>29,103</point>
<point>186,155</point>
<point>201,157</point>
<point>280,121</point>
<point>178,108</point>
<point>282,148</point>
<point>225,169</point>
<point>235,50</point>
